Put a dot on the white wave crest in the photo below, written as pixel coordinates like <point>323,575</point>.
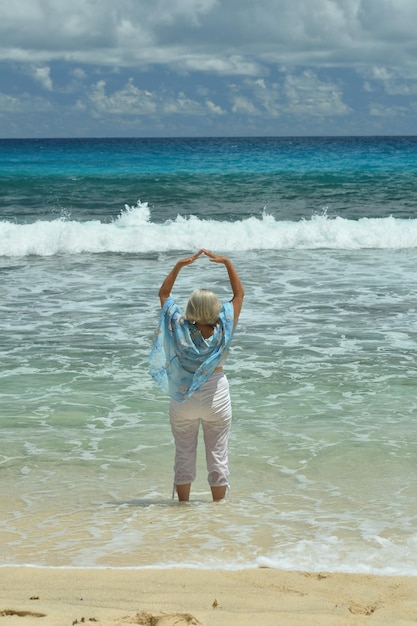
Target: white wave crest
<point>134,232</point>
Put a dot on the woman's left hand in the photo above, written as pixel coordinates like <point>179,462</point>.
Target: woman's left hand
<point>190,259</point>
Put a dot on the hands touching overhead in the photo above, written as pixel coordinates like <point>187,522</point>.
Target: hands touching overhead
<point>235,283</point>
<point>215,258</point>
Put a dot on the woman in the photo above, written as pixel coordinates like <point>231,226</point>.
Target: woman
<point>186,362</point>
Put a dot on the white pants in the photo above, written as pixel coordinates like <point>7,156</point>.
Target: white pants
<point>211,406</point>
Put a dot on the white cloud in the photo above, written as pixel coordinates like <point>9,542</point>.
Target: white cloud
<point>234,65</point>
<point>378,110</point>
<point>214,108</point>
<point>182,105</point>
<point>24,103</point>
<point>43,76</point>
<point>131,101</point>
<point>242,104</point>
<point>78,73</point>
<point>8,103</point>
<point>267,97</point>
<point>308,95</point>
<point>392,80</point>
<point>127,101</point>
<point>298,94</point>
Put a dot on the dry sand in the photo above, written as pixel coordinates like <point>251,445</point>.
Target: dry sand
<point>176,597</point>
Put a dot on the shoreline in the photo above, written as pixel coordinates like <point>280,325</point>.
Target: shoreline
<point>62,596</point>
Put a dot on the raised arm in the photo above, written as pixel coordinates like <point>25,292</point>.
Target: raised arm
<point>235,282</point>
<point>167,285</point>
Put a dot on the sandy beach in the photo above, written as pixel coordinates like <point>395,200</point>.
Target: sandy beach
<point>177,597</point>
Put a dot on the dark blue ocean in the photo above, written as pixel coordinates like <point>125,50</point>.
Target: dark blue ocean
<point>323,369</point>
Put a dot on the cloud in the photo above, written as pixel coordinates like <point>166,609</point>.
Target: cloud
<point>214,108</point>
<point>234,37</point>
<point>297,93</point>
<point>78,73</point>
<point>392,80</point>
<point>308,95</point>
<point>8,104</point>
<point>52,28</point>
<point>190,66</point>
<point>135,102</point>
<point>43,76</point>
<point>127,101</point>
<point>377,110</point>
<point>170,11</point>
<point>234,65</point>
<point>242,104</point>
<point>389,21</point>
<point>23,104</point>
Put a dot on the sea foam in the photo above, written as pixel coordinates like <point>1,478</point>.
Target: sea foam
<point>133,231</point>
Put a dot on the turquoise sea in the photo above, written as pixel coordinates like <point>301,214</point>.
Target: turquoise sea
<point>323,368</point>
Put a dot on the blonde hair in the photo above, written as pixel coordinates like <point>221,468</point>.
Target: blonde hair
<point>203,307</point>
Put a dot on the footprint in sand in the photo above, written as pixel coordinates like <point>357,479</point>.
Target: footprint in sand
<point>8,612</point>
<point>163,619</point>
<point>362,609</point>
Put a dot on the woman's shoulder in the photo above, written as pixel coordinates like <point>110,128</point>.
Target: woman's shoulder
<point>227,311</point>
<point>170,305</point>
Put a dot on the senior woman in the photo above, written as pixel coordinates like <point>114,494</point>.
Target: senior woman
<point>186,362</point>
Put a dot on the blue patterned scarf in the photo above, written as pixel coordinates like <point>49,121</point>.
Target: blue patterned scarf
<point>181,360</point>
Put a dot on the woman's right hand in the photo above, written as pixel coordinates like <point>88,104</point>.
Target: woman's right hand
<point>215,258</point>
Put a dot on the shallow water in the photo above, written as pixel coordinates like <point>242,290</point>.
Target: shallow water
<point>322,375</point>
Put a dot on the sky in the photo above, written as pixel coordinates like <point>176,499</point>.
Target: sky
<point>179,68</point>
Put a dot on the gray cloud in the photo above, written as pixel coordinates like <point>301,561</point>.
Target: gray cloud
<point>219,37</point>
<point>196,66</point>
